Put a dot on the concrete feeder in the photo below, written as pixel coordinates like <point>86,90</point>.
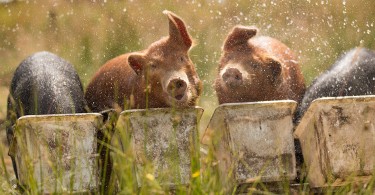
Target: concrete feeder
<point>253,142</point>
<point>57,153</point>
<point>165,138</point>
<point>337,137</point>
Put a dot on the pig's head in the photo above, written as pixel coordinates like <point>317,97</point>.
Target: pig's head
<point>165,70</point>
<point>246,73</point>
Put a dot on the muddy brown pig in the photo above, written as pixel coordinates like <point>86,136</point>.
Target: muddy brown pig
<point>257,68</point>
<point>160,76</point>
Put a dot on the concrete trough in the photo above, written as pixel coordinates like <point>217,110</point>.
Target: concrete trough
<point>166,138</point>
<point>253,142</point>
<point>57,153</point>
<point>337,137</point>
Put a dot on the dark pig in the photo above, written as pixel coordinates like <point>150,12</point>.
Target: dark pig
<point>43,84</point>
<point>160,76</point>
<point>351,75</point>
<point>257,68</point>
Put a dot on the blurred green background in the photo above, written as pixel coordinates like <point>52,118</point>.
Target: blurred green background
<point>88,33</point>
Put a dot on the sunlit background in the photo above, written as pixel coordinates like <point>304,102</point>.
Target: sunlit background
<point>88,33</point>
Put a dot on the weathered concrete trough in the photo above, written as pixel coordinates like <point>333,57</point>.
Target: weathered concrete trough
<point>163,137</point>
<point>337,137</point>
<point>253,142</point>
<point>57,153</point>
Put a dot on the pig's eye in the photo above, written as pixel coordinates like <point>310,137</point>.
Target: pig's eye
<point>153,66</point>
<point>182,59</point>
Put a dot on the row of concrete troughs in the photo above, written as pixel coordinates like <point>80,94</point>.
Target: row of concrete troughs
<point>252,142</point>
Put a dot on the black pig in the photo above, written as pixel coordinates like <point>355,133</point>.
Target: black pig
<point>43,84</point>
<point>353,74</point>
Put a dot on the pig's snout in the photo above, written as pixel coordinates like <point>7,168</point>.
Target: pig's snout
<point>232,77</point>
<point>177,88</point>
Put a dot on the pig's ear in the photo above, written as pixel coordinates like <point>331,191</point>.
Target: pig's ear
<point>178,31</point>
<point>275,69</point>
<point>239,35</point>
<point>136,62</point>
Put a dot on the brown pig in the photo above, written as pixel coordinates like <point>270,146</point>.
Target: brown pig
<point>160,76</point>
<point>257,68</point>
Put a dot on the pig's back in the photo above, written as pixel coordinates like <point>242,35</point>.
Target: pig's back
<point>352,74</point>
<point>46,84</point>
<point>114,78</point>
